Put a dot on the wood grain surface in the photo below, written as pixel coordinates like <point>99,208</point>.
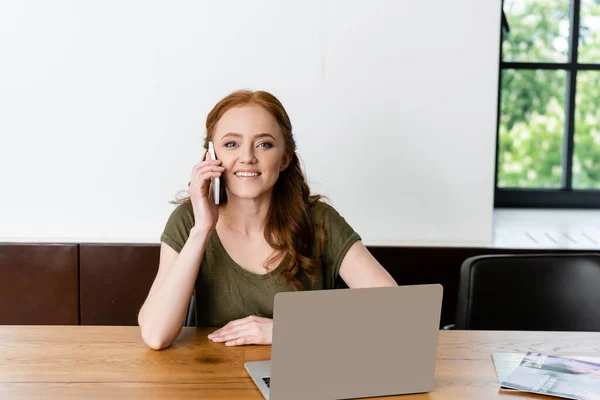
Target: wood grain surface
<point>101,362</point>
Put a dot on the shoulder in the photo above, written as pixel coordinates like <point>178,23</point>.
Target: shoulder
<point>334,225</point>
<point>184,210</point>
<point>182,214</point>
<point>324,214</point>
<point>319,208</point>
<point>178,226</point>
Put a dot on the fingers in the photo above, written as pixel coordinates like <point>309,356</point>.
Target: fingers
<point>238,332</point>
<point>206,169</point>
<point>205,176</point>
<point>238,342</point>
<point>203,172</point>
<point>208,162</point>
<point>234,335</point>
<point>232,326</point>
<point>201,169</point>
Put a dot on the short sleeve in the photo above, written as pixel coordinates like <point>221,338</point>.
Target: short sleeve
<point>339,237</point>
<point>178,227</point>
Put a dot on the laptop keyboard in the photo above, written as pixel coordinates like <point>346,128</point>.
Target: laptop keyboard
<point>267,381</point>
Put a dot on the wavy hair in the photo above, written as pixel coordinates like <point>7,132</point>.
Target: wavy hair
<point>288,228</point>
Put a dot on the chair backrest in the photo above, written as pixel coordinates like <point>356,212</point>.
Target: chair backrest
<point>550,292</point>
<point>190,317</point>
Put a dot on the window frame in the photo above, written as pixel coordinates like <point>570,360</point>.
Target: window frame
<point>567,196</point>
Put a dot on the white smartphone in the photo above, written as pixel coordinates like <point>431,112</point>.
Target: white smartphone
<point>216,182</point>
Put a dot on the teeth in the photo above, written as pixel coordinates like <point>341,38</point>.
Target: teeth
<point>247,174</point>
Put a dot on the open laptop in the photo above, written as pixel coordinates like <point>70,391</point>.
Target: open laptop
<point>349,343</point>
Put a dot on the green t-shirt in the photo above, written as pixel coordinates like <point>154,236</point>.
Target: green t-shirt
<point>225,291</point>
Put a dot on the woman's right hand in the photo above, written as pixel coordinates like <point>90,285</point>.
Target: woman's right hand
<point>206,212</point>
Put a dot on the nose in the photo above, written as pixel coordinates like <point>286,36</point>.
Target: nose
<point>248,156</point>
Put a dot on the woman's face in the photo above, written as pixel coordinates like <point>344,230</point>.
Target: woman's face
<point>250,144</point>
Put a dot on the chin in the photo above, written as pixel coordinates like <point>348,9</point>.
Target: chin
<point>248,194</point>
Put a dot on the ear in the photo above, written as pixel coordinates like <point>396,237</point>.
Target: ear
<point>285,162</point>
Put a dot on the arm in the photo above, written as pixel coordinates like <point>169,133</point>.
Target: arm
<point>162,315</point>
<point>360,269</point>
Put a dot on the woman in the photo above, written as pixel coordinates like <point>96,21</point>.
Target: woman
<point>268,234</point>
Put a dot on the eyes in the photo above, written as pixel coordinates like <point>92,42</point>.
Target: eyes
<point>264,145</point>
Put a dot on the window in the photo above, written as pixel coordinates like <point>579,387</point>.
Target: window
<point>548,147</point>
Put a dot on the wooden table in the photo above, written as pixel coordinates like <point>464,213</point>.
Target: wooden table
<point>84,362</point>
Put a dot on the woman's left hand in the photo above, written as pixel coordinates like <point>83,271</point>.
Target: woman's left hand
<point>249,330</point>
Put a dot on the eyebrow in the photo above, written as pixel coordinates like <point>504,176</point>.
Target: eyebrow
<point>239,135</point>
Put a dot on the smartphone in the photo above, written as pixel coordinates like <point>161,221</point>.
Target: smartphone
<point>216,182</point>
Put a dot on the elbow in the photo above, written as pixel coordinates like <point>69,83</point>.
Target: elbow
<point>155,341</point>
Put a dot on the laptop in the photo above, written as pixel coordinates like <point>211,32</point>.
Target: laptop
<point>351,343</point>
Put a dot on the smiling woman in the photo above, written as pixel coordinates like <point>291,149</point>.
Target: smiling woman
<point>238,151</point>
<point>267,235</point>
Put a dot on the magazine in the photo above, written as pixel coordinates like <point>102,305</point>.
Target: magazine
<point>556,376</point>
<point>506,363</point>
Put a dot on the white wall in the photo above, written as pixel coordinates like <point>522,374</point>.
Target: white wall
<point>103,107</point>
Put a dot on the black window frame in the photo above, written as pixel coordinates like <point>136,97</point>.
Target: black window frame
<point>566,197</point>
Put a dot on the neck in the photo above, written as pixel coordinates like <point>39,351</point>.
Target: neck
<point>246,217</point>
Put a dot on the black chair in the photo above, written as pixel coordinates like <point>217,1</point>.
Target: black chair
<point>190,318</point>
<point>535,292</point>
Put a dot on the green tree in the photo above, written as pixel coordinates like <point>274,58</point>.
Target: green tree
<point>532,119</point>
